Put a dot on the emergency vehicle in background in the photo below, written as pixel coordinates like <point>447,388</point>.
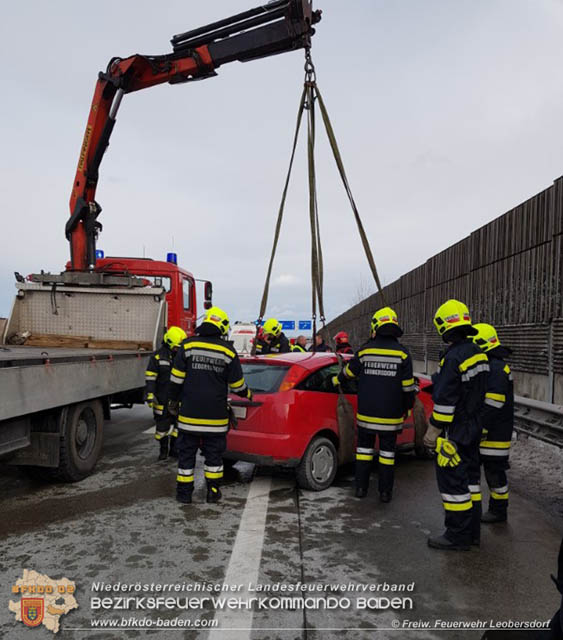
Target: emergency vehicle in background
<point>78,342</point>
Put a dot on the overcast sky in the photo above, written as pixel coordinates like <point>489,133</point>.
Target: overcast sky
<point>447,113</point>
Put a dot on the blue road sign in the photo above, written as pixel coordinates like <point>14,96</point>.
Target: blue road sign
<point>288,325</point>
<point>305,325</point>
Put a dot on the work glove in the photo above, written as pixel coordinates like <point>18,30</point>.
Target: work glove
<point>430,437</point>
<point>149,399</point>
<point>249,394</point>
<point>173,407</point>
<point>447,453</point>
<point>335,381</point>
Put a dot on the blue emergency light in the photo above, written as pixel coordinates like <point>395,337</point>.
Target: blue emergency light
<point>172,257</point>
<point>99,254</point>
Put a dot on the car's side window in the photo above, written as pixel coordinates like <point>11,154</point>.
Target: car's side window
<point>321,380</point>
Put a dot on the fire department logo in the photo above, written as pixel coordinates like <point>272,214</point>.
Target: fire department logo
<point>32,611</point>
<point>43,600</point>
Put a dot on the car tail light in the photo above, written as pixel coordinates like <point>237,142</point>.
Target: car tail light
<point>292,377</point>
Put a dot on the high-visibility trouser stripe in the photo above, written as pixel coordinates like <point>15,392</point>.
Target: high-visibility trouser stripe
<point>408,383</point>
<point>158,409</point>
<point>176,380</point>
<point>499,493</point>
<point>386,457</point>
<point>213,472</point>
<point>166,363</point>
<point>442,417</point>
<point>160,434</point>
<point>364,453</point>
<point>494,403</point>
<point>461,502</point>
<point>185,475</point>
<point>475,490</point>
<point>445,408</point>
<point>202,429</point>
<point>149,375</point>
<point>494,448</point>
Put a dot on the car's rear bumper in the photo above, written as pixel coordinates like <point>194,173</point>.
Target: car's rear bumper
<point>275,449</point>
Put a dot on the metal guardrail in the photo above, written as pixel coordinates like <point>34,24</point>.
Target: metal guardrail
<point>539,420</point>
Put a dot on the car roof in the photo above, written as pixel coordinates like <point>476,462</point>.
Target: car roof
<point>305,360</point>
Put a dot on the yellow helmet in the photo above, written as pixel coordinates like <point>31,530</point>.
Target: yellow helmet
<point>219,318</point>
<point>174,337</point>
<point>386,315</point>
<point>486,338</point>
<point>273,327</point>
<point>452,314</point>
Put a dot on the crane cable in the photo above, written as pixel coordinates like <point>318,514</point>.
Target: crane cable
<point>309,97</point>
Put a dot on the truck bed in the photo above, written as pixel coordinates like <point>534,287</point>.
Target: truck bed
<point>12,356</point>
<point>34,379</point>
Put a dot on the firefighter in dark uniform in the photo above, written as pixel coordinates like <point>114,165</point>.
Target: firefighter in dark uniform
<point>319,345</point>
<point>342,342</point>
<point>205,369</point>
<point>498,422</point>
<point>273,340</point>
<point>386,391</point>
<point>157,378</point>
<point>454,429</point>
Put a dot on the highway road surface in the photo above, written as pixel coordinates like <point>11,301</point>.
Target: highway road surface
<point>335,566</point>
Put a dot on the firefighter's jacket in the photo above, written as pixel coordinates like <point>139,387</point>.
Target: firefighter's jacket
<point>386,386</point>
<point>206,367</point>
<point>277,345</point>
<point>498,409</point>
<point>297,348</point>
<point>459,389</point>
<point>157,377</point>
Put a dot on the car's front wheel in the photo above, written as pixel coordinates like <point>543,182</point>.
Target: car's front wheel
<point>318,465</point>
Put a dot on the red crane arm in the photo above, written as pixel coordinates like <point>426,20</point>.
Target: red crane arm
<point>279,26</point>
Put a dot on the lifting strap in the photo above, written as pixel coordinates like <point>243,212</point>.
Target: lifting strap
<point>309,96</point>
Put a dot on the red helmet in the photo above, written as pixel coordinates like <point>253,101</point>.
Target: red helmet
<point>341,337</point>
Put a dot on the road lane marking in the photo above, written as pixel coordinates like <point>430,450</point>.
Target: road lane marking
<point>150,429</point>
<point>244,564</point>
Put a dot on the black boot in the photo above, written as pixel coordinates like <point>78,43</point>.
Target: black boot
<point>361,492</point>
<point>163,448</point>
<point>490,517</point>
<point>443,543</point>
<point>185,497</point>
<point>385,496</point>
<point>213,493</point>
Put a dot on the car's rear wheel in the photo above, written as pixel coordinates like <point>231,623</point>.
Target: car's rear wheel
<point>318,465</point>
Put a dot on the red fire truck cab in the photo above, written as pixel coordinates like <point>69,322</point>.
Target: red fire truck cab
<point>178,283</point>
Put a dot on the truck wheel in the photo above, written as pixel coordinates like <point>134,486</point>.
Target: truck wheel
<point>81,440</point>
<point>318,465</point>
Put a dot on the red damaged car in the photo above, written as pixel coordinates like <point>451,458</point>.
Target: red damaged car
<point>292,420</point>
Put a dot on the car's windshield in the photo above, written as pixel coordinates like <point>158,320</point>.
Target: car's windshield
<point>263,378</point>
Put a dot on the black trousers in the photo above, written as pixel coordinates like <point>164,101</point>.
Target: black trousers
<point>163,421</point>
<point>364,458</point>
<point>212,446</point>
<point>461,495</point>
<point>494,450</point>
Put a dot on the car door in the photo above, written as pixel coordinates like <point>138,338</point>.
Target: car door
<point>328,410</point>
